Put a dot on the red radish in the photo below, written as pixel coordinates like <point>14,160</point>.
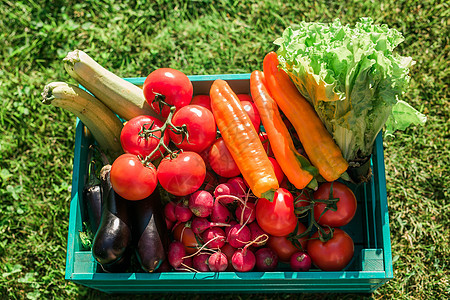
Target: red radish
<point>232,223</point>
<point>246,213</point>
<point>200,262</point>
<point>278,171</point>
<point>253,114</point>
<point>228,250</point>
<point>238,236</point>
<point>169,224</point>
<point>258,235</point>
<point>187,261</point>
<point>243,260</point>
<point>300,262</point>
<point>169,211</point>
<point>199,225</point>
<point>247,195</point>
<point>218,262</point>
<point>220,213</point>
<point>266,260</point>
<point>225,189</point>
<point>214,237</point>
<point>176,254</point>
<point>186,265</point>
<point>201,203</point>
<point>182,212</point>
<point>239,186</point>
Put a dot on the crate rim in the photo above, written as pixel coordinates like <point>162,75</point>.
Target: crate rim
<point>194,78</point>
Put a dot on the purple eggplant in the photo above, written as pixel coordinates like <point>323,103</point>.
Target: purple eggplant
<point>120,266</point>
<point>92,197</point>
<point>149,232</point>
<point>114,235</point>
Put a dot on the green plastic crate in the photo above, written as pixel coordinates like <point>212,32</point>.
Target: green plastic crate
<point>370,268</point>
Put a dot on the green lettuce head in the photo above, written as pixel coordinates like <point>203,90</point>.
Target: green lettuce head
<point>352,78</point>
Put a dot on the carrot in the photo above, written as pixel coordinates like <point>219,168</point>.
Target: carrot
<point>316,140</point>
<point>295,166</point>
<point>242,140</point>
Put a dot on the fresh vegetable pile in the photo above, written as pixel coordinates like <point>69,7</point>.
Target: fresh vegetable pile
<point>222,181</point>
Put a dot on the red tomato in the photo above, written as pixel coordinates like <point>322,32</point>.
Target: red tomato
<point>205,155</point>
<point>134,140</point>
<point>202,100</point>
<point>277,218</point>
<point>346,206</point>
<point>334,254</point>
<point>221,161</point>
<point>245,97</point>
<point>174,86</point>
<point>278,171</point>
<point>182,175</point>
<point>253,114</point>
<point>200,126</point>
<point>131,179</point>
<point>185,235</point>
<point>284,247</point>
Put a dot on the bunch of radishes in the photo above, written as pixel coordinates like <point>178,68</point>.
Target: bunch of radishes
<point>217,231</point>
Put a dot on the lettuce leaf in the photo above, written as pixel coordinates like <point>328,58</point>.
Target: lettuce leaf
<point>353,79</point>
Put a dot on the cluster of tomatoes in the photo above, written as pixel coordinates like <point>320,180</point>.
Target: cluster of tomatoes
<point>177,150</point>
<point>331,206</point>
<point>183,152</point>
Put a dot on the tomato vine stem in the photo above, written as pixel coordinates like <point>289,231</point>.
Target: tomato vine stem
<point>168,125</point>
<point>160,100</point>
<point>331,204</point>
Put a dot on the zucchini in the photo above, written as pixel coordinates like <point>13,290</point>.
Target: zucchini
<point>122,97</point>
<point>104,125</point>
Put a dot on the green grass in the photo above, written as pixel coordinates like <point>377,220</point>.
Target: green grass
<point>202,37</point>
